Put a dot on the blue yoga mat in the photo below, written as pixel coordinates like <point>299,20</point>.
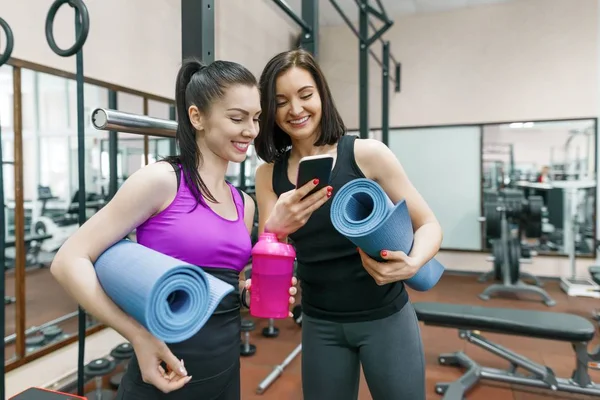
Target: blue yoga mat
<point>362,212</point>
<point>170,298</point>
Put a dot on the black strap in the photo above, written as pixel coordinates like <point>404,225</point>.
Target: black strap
<point>177,172</point>
<point>279,179</point>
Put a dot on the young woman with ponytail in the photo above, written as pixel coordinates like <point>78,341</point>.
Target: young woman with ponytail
<point>183,207</point>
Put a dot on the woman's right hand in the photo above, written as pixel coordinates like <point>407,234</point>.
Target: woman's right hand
<point>151,353</point>
<point>293,209</point>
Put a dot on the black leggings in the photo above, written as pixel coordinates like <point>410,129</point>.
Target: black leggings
<point>211,357</point>
<point>390,351</point>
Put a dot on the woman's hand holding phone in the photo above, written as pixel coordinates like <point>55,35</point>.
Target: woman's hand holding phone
<point>294,208</point>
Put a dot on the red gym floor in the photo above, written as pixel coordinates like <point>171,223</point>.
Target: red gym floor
<point>43,290</point>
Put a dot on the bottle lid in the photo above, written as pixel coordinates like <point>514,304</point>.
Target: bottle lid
<point>268,244</point>
<point>268,236</point>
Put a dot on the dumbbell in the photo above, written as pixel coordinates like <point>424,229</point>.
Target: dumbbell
<point>121,353</point>
<point>270,331</point>
<point>51,333</point>
<point>97,369</point>
<point>34,342</point>
<point>247,349</point>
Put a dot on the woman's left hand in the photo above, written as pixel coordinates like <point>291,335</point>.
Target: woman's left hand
<point>292,291</point>
<point>397,266</point>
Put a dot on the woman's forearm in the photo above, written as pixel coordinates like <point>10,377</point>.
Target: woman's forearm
<point>79,279</point>
<point>272,227</point>
<point>427,242</point>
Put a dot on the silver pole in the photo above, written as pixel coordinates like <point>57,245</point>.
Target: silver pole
<point>34,329</point>
<point>277,371</point>
<point>112,120</point>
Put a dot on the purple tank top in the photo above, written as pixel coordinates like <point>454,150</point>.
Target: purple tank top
<point>200,237</point>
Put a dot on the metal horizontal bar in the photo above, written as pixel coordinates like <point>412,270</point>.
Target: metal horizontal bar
<point>112,120</point>
<point>34,329</point>
<point>288,10</point>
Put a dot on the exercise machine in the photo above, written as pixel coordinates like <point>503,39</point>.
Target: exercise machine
<point>471,321</point>
<point>575,285</point>
<point>573,199</point>
<point>33,247</point>
<point>511,209</point>
<point>33,244</point>
<point>62,223</point>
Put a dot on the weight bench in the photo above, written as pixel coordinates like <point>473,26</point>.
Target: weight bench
<point>536,324</point>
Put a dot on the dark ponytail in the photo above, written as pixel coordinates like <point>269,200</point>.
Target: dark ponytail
<point>201,85</point>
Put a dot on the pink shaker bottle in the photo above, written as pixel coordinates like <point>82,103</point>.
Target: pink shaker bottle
<point>272,271</point>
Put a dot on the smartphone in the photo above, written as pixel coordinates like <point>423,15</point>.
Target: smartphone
<point>311,167</point>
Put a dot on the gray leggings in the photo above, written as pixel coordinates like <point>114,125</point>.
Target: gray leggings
<point>390,352</point>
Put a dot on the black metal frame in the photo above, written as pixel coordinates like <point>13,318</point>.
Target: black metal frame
<point>198,29</point>
<point>365,42</point>
<point>113,149</point>
<point>309,40</point>
<point>309,22</point>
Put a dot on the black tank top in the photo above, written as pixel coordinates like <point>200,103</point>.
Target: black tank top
<point>335,286</point>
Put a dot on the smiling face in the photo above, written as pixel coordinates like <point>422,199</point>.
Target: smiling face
<point>299,105</point>
<point>231,124</point>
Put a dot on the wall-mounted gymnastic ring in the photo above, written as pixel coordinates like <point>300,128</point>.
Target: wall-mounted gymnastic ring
<point>80,12</point>
<point>10,42</point>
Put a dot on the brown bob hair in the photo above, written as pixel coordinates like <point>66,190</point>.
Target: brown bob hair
<point>272,141</point>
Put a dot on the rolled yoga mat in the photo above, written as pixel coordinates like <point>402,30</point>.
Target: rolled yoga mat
<point>363,213</point>
<point>170,298</point>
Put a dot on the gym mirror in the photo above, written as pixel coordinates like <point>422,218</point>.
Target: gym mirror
<point>555,161</point>
<point>6,125</point>
<point>51,199</point>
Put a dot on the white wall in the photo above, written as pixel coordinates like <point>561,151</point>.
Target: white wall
<point>137,43</point>
<point>531,59</point>
<point>251,32</point>
<point>127,44</point>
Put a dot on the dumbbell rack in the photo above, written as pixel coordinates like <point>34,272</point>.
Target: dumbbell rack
<point>507,286</point>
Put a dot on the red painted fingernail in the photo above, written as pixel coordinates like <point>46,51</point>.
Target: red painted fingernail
<point>316,181</point>
<point>384,253</point>
<point>328,194</point>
